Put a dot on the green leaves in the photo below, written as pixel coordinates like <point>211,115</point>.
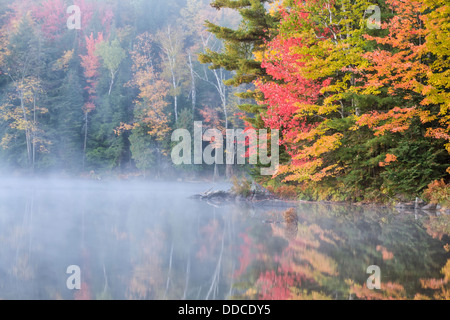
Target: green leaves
<point>112,55</point>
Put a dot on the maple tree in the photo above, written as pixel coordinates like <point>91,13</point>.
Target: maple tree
<point>314,63</point>
<point>52,15</point>
<point>363,111</point>
<point>437,34</point>
<point>91,64</point>
<point>402,67</point>
<point>150,117</point>
<point>337,83</point>
<point>151,102</point>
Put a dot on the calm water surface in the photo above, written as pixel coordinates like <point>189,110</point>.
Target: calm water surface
<point>150,241</point>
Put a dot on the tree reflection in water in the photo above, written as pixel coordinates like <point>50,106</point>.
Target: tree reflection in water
<point>138,243</point>
<point>334,246</point>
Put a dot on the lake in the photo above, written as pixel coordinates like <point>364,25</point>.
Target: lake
<point>130,240</point>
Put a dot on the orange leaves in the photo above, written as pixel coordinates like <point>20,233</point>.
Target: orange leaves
<point>433,284</point>
<point>328,78</point>
<point>395,120</point>
<point>212,118</point>
<point>295,267</point>
<point>91,64</point>
<point>403,67</point>
<point>440,286</point>
<point>150,104</point>
<point>389,291</point>
<point>387,255</point>
<point>390,158</point>
<point>438,133</point>
<point>89,107</point>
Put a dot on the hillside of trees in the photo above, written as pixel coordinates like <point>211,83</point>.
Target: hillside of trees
<point>106,97</point>
<point>359,89</point>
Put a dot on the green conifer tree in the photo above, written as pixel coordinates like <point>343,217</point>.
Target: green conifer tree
<point>258,25</point>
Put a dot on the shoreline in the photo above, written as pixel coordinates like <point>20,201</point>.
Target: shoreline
<point>258,199</point>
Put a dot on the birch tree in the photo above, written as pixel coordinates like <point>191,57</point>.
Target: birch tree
<point>174,61</point>
<point>112,55</point>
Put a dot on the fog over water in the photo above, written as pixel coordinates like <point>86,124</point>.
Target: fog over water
<point>148,240</point>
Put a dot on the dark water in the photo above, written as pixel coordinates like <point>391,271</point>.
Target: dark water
<point>149,241</point>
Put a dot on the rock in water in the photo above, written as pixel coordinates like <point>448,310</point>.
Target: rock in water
<point>430,206</point>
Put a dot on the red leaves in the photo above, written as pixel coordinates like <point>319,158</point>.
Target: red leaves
<point>100,10</point>
<point>91,63</point>
<point>289,101</point>
<point>52,16</point>
<point>276,286</point>
<point>89,107</point>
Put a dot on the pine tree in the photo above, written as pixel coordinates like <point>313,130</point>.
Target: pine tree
<point>240,45</point>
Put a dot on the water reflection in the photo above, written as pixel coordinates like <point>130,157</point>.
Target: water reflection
<point>149,241</point>
<point>333,248</point>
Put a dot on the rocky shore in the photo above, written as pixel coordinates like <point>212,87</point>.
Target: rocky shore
<point>421,205</point>
<point>257,197</point>
<point>261,197</point>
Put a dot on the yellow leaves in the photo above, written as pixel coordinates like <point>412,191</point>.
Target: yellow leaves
<point>319,262</point>
<point>389,291</point>
<point>124,127</point>
<point>6,140</point>
<point>150,105</point>
<point>323,145</point>
<point>304,109</point>
<point>310,170</point>
<point>298,294</point>
<point>258,56</point>
<point>251,293</point>
<point>274,7</point>
<point>63,62</point>
<point>440,286</point>
<point>300,172</point>
<point>21,112</point>
<point>446,271</point>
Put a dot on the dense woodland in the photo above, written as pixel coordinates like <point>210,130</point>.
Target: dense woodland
<point>105,98</point>
<point>363,104</point>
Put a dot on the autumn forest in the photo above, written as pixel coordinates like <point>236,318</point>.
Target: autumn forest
<point>359,90</point>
